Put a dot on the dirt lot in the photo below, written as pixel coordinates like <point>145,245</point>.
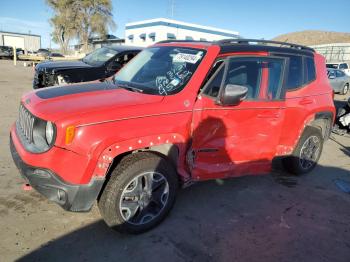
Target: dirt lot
<point>257,218</point>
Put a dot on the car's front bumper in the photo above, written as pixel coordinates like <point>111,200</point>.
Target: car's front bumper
<point>72,197</point>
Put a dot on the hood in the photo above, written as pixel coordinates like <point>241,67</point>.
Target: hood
<point>87,103</point>
<point>59,65</point>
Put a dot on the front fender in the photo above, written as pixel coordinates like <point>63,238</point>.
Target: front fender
<point>107,156</point>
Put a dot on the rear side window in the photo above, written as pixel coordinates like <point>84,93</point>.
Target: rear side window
<point>310,72</point>
<point>295,72</point>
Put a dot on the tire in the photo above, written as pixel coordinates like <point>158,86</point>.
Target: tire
<point>128,204</point>
<point>298,163</point>
<point>345,89</point>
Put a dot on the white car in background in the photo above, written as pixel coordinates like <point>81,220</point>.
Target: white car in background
<point>343,66</point>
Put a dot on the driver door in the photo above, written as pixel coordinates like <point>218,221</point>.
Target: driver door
<point>242,139</point>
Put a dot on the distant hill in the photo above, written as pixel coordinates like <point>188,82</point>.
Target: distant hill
<point>313,37</point>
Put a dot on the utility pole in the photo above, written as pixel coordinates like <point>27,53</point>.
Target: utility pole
<point>172,8</point>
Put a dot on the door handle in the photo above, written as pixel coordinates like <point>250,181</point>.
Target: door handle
<point>306,101</point>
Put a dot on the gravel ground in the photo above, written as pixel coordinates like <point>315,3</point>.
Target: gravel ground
<point>258,218</point>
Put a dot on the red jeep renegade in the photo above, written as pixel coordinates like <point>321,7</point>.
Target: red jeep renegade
<point>179,112</point>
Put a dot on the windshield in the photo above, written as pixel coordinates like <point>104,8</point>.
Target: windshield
<point>99,56</point>
<point>335,66</point>
<point>161,70</point>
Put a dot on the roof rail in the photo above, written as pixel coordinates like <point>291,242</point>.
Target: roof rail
<point>183,41</point>
<point>263,42</point>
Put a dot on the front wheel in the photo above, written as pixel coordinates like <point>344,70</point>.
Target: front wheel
<point>307,152</point>
<point>345,90</point>
<point>139,194</point>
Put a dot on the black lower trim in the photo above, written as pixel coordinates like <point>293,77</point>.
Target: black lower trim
<point>328,116</point>
<point>69,196</point>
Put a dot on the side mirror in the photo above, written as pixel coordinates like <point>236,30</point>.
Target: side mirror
<point>113,67</point>
<point>232,95</point>
<point>331,77</point>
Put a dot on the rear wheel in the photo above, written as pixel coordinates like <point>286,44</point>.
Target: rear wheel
<point>345,89</point>
<point>139,194</point>
<point>307,152</point>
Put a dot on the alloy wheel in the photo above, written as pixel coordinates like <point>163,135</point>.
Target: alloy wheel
<point>144,197</point>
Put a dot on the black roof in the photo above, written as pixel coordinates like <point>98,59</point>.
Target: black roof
<point>254,45</point>
<point>121,48</point>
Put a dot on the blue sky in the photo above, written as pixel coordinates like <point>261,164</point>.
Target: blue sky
<point>252,18</point>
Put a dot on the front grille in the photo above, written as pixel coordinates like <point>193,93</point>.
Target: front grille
<point>26,123</point>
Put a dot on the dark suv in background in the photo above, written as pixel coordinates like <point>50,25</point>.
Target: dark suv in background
<point>100,64</point>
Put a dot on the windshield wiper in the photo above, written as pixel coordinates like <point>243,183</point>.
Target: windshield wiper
<point>130,88</point>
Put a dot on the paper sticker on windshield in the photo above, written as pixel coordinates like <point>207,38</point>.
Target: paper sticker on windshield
<point>187,58</point>
<point>109,55</point>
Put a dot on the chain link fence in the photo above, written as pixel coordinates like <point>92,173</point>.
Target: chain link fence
<point>334,52</point>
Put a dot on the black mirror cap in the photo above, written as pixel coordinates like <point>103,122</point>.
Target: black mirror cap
<point>232,95</point>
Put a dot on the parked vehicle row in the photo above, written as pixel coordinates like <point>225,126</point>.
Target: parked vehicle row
<point>7,52</point>
<point>178,113</point>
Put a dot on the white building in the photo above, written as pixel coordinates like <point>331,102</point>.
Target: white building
<point>27,42</point>
<point>148,32</point>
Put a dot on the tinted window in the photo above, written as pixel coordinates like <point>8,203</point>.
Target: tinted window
<point>274,78</point>
<point>330,73</point>
<point>343,66</point>
<point>310,71</point>
<point>334,66</point>
<point>295,72</point>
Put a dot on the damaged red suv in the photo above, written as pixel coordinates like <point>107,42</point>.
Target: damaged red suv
<point>178,113</point>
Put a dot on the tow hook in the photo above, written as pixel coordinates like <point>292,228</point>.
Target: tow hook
<point>27,187</point>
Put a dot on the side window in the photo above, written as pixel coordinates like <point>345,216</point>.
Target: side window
<point>339,73</point>
<point>214,84</point>
<point>310,71</point>
<point>295,72</point>
<point>245,72</point>
<point>331,74</point>
<point>261,75</point>
<point>275,75</point>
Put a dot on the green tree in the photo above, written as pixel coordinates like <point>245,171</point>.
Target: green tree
<point>94,18</point>
<point>81,19</point>
<point>64,28</point>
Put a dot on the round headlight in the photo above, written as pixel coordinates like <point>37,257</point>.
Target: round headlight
<point>49,132</point>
